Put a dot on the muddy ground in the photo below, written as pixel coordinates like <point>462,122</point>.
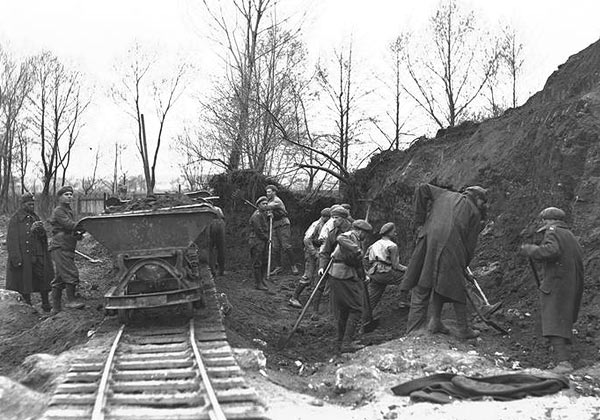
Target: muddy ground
<point>301,378</point>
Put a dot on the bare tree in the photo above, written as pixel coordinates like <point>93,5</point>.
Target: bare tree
<point>15,86</point>
<point>393,86</point>
<point>90,183</point>
<point>449,71</point>
<point>511,53</point>
<point>330,152</point>
<point>263,59</point>
<point>138,88</point>
<point>58,105</point>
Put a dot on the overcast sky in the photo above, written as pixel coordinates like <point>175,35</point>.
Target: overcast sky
<point>91,34</point>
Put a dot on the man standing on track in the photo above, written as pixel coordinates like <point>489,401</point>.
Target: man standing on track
<point>259,243</point>
<point>562,286</point>
<point>282,236</point>
<point>448,224</point>
<point>62,248</point>
<point>311,256</point>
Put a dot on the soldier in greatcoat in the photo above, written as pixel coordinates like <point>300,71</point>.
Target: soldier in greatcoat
<point>562,285</point>
<point>259,241</point>
<point>448,224</point>
<point>65,234</point>
<point>29,267</point>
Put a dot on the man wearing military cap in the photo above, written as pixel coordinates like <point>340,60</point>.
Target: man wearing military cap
<point>448,224</point>
<point>282,241</point>
<point>562,284</point>
<point>29,267</point>
<point>259,242</point>
<point>311,255</point>
<point>65,234</point>
<point>345,277</point>
<point>382,260</point>
<point>339,224</point>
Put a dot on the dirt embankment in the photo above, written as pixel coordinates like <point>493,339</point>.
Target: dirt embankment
<point>544,153</point>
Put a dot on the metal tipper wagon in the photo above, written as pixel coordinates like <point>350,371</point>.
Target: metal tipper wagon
<point>161,255</point>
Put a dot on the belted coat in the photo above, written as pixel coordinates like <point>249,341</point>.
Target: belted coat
<point>562,285</point>
<point>26,247</point>
<point>451,223</point>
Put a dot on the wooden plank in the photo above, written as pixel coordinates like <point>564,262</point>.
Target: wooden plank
<point>158,374</point>
<point>142,386</point>
<point>155,364</point>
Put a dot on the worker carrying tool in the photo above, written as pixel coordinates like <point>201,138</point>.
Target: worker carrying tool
<point>448,224</point>
<point>339,215</point>
<point>259,242</point>
<point>311,256</point>
<point>561,287</point>
<point>346,277</point>
<point>282,243</point>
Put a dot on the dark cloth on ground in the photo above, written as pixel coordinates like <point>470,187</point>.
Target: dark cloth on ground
<point>447,387</point>
<point>29,266</point>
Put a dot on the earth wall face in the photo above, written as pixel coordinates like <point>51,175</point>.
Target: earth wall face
<point>544,153</point>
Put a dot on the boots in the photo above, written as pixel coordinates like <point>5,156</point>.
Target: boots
<point>72,302</point>
<point>350,343</point>
<point>316,304</point>
<point>259,279</point>
<point>56,298</point>
<point>463,330</point>
<point>295,300</point>
<point>45,302</point>
<point>435,323</point>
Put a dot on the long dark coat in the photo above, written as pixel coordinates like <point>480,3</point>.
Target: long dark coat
<point>28,248</point>
<point>562,284</point>
<point>446,242</point>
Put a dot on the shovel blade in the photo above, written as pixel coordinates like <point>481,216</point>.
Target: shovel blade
<point>371,325</point>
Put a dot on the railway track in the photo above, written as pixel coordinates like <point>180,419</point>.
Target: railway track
<point>184,371</point>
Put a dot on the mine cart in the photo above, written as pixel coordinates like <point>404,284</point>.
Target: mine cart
<point>161,256</point>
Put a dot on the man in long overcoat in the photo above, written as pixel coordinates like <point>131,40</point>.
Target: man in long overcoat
<point>65,235</point>
<point>448,224</point>
<point>562,285</point>
<point>29,268</point>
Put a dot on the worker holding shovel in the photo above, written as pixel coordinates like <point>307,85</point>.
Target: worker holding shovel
<point>561,287</point>
<point>345,280</point>
<point>258,241</point>
<point>448,224</point>
<point>383,267</point>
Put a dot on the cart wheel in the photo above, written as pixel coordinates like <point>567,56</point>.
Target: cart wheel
<point>124,315</point>
<point>188,310</point>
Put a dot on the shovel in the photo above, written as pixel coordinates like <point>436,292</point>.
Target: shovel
<point>284,340</point>
<point>489,308</point>
<point>87,257</point>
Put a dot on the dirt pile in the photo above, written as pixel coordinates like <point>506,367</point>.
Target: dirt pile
<point>546,152</point>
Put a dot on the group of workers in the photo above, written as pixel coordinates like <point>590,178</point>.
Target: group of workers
<point>447,225</point>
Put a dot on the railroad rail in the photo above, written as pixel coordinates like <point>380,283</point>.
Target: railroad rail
<point>184,371</point>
